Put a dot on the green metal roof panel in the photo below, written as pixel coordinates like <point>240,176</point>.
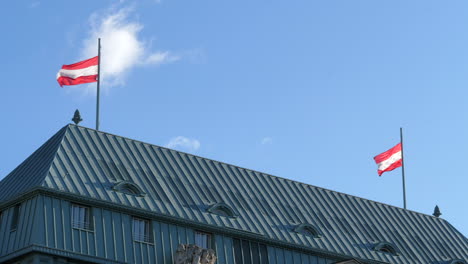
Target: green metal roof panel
<point>89,163</point>
<point>31,172</point>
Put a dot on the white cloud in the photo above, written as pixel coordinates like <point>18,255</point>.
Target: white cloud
<point>161,57</point>
<point>34,4</point>
<point>183,142</point>
<point>122,49</point>
<point>267,140</point>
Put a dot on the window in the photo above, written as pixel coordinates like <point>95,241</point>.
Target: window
<point>202,239</point>
<point>307,230</point>
<point>249,252</point>
<point>141,230</point>
<point>387,247</point>
<point>81,217</point>
<point>15,217</point>
<point>128,188</point>
<point>222,209</point>
<point>457,261</point>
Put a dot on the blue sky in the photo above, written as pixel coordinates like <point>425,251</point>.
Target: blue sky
<point>305,90</point>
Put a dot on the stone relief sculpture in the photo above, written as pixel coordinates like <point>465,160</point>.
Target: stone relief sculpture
<point>193,254</point>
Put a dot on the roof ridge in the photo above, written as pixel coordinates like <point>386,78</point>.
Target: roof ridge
<point>261,173</point>
<point>65,129</point>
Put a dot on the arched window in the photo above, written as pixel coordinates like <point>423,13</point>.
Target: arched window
<point>222,209</point>
<point>457,261</point>
<point>128,188</point>
<point>387,247</point>
<point>308,230</point>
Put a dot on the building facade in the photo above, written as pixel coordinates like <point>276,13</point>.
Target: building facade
<point>86,196</point>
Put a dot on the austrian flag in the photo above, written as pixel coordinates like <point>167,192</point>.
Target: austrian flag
<point>389,160</point>
<point>81,72</point>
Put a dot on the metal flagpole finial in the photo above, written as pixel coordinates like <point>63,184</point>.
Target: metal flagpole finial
<point>437,212</point>
<point>77,117</point>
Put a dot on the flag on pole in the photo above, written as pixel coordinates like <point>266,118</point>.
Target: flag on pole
<point>81,72</point>
<point>389,160</point>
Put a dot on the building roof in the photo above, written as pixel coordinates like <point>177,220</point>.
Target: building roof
<point>117,170</point>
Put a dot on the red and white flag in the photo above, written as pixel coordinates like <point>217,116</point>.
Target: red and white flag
<point>389,160</point>
<point>81,72</point>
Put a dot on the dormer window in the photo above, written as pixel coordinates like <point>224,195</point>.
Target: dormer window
<point>457,261</point>
<point>350,261</point>
<point>308,230</point>
<point>222,209</point>
<point>128,188</point>
<point>387,247</point>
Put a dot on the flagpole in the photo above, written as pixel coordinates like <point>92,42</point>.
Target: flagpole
<point>403,168</point>
<point>98,81</point>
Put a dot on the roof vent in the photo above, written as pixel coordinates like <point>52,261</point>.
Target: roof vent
<point>222,209</point>
<point>436,211</point>
<point>350,261</point>
<point>387,247</point>
<point>308,230</point>
<point>128,188</point>
<point>457,261</point>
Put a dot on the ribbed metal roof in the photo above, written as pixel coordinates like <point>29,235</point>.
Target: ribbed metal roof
<point>89,163</point>
<point>32,171</point>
